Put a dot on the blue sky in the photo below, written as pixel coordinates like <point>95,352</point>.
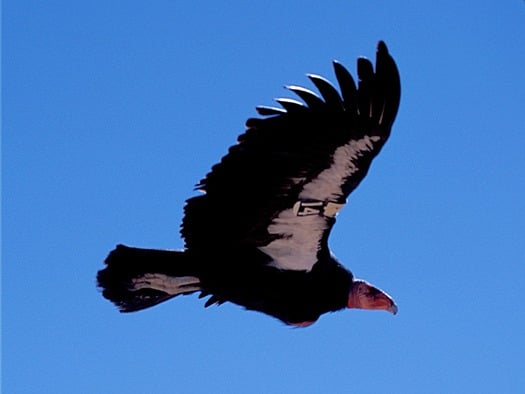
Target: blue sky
<point>112,111</point>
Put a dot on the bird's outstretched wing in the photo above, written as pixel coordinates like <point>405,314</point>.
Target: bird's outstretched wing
<point>280,188</point>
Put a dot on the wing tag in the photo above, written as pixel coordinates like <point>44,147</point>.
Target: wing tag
<point>309,208</point>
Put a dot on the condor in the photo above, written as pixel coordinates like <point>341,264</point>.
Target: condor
<point>257,236</point>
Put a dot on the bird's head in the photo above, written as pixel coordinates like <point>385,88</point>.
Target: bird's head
<point>365,296</point>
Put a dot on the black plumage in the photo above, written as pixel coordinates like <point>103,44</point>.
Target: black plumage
<point>258,234</point>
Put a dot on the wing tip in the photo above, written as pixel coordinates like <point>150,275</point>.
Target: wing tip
<point>384,70</point>
<point>381,47</point>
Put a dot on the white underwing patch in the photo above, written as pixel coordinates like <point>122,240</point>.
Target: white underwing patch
<point>297,250</point>
<point>327,185</point>
<point>299,233</point>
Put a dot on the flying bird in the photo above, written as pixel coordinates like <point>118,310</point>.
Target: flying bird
<point>257,235</point>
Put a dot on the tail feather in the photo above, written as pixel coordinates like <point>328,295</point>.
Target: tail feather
<point>135,278</point>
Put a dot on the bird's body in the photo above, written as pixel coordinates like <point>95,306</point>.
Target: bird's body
<point>258,234</point>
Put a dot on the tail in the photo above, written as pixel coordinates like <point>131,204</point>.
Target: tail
<point>136,279</point>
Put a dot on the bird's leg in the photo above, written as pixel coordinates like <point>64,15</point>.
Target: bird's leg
<point>171,285</point>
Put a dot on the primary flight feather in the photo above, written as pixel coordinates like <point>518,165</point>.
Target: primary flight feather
<point>258,233</point>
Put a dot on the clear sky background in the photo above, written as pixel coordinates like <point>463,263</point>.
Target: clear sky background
<point>112,111</point>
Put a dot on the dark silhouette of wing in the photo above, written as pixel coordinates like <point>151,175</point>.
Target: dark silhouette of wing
<point>280,187</point>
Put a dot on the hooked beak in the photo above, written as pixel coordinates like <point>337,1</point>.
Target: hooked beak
<point>363,295</point>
